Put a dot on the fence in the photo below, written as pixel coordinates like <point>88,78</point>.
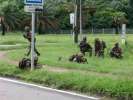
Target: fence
<point>90,31</point>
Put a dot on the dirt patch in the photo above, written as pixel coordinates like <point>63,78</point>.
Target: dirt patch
<point>4,57</point>
<point>56,69</point>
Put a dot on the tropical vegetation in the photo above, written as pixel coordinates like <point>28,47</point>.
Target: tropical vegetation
<point>96,13</point>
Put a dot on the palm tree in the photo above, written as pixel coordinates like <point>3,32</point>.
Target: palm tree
<point>11,15</point>
<point>49,18</point>
<point>46,22</point>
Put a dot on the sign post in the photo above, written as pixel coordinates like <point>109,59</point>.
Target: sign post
<point>72,20</point>
<point>32,6</point>
<point>123,35</point>
<point>32,41</point>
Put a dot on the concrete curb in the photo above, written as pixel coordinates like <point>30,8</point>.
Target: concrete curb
<point>49,89</point>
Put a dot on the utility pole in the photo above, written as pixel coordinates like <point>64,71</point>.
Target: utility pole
<point>81,31</point>
<point>76,18</point>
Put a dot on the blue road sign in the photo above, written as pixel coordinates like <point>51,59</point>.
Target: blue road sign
<point>34,2</point>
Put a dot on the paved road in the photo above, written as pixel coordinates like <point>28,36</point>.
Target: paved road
<point>15,91</point>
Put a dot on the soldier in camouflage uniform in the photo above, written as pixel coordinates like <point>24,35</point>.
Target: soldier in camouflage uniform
<point>28,36</point>
<point>85,47</point>
<point>103,47</point>
<point>79,58</point>
<point>116,51</point>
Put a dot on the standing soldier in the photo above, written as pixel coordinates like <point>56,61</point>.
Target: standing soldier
<point>28,36</point>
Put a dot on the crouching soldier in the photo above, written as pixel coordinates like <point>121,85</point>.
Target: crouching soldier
<point>79,58</point>
<point>85,47</point>
<point>116,51</point>
<point>25,63</point>
<point>28,36</point>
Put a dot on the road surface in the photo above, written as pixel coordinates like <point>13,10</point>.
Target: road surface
<point>10,90</point>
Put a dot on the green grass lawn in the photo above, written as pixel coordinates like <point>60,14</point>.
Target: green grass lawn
<point>110,77</point>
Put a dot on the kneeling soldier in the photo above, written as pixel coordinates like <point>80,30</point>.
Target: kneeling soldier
<point>85,47</point>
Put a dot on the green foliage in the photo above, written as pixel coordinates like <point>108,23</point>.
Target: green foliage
<point>97,13</point>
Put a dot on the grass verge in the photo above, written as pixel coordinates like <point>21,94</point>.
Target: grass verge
<point>110,77</point>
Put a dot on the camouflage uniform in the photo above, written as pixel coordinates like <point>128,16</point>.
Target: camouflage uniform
<point>103,46</point>
<point>98,47</point>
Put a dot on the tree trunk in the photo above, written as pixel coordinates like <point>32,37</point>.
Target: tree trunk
<point>3,28</point>
<point>116,30</point>
<point>40,28</point>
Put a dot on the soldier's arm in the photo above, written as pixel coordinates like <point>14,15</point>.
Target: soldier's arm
<point>120,51</point>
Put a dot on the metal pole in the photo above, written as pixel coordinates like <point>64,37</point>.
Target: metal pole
<point>81,20</point>
<point>75,20</point>
<point>32,41</point>
<point>75,15</point>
